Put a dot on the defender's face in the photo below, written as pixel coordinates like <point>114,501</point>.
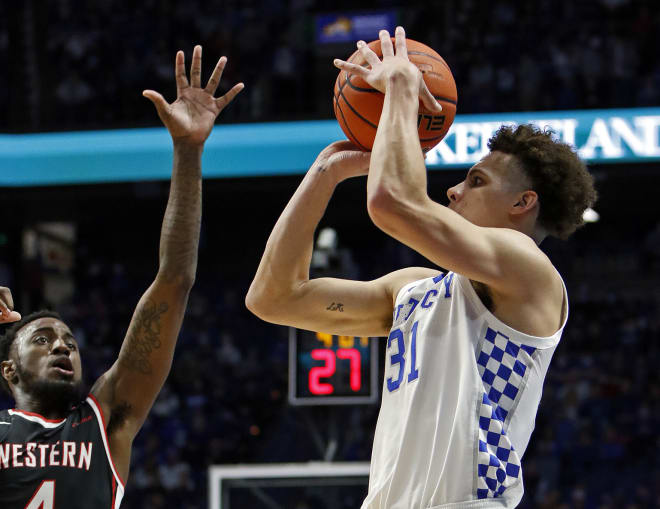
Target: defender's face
<point>47,352</point>
<point>488,192</point>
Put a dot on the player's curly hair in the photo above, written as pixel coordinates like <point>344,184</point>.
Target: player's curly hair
<point>7,339</point>
<point>560,178</point>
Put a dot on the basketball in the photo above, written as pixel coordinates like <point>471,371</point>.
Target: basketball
<point>358,106</point>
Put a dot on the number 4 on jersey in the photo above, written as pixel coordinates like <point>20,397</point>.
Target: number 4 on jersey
<point>44,497</point>
<point>400,359</point>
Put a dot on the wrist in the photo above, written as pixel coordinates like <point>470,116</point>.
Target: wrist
<point>184,145</point>
<point>325,174</point>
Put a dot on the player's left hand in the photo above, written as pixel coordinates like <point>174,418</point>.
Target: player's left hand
<point>393,66</point>
<point>190,118</point>
<point>7,313</point>
<point>343,160</point>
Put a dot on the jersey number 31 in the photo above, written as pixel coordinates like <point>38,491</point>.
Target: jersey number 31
<point>400,356</point>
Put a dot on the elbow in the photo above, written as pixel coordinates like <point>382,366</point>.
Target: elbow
<point>253,302</point>
<point>379,201</point>
<point>271,304</point>
<point>384,206</point>
<point>183,281</point>
<point>392,210</point>
<point>259,304</point>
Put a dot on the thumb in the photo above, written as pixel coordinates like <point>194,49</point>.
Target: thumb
<point>159,101</point>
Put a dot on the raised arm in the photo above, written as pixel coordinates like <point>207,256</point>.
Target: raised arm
<point>282,291</point>
<point>127,391</point>
<point>398,201</point>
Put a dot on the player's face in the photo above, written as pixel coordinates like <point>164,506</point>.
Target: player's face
<point>491,188</point>
<point>48,353</point>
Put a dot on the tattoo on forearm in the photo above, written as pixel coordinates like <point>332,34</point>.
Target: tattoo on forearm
<point>144,337</point>
<point>336,306</point>
<point>180,232</point>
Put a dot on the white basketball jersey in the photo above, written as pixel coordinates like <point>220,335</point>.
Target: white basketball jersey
<point>460,396</point>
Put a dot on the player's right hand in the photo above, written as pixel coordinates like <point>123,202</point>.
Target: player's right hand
<point>343,160</point>
<point>380,72</point>
<point>190,118</point>
<point>7,313</point>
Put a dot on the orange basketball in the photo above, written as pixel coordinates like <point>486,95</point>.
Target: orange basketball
<point>358,106</point>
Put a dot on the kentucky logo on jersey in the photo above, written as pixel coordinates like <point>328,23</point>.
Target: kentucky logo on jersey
<point>441,290</point>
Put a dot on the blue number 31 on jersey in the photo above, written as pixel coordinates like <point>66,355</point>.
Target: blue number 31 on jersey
<point>400,356</point>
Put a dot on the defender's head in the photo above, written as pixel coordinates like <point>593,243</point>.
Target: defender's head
<point>39,360</point>
<point>529,181</point>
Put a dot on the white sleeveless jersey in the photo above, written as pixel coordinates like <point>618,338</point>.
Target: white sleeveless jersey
<point>460,396</point>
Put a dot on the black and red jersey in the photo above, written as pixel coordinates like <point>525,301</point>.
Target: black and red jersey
<point>63,464</point>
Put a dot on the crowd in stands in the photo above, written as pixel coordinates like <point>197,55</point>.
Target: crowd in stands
<point>94,58</point>
<point>4,64</point>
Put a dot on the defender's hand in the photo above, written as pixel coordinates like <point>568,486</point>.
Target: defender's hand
<point>7,313</point>
<point>343,160</point>
<point>190,118</point>
<point>392,67</point>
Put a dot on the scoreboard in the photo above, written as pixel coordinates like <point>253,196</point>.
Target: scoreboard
<point>326,369</point>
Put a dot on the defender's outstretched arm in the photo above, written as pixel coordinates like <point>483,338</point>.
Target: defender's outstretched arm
<point>127,391</point>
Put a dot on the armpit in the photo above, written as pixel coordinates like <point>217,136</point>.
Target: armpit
<point>118,416</point>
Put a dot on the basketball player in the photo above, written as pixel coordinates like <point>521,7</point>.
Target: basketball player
<point>467,349</point>
<point>58,450</point>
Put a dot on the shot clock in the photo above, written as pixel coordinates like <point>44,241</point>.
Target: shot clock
<point>332,370</point>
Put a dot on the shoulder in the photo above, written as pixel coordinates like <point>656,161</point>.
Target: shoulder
<point>396,280</point>
<point>522,267</point>
<point>5,424</point>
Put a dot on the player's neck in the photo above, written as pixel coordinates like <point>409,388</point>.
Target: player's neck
<point>45,407</point>
<point>530,228</point>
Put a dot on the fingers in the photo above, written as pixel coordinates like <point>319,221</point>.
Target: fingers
<point>428,100</point>
<point>400,42</point>
<point>386,43</point>
<point>180,72</point>
<point>351,68</point>
<point>358,158</point>
<point>196,68</point>
<point>7,314</point>
<point>340,146</point>
<point>229,96</point>
<point>215,78</point>
<point>371,58</point>
<point>6,300</point>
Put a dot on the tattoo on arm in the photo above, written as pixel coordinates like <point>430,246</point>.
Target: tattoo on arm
<point>180,231</point>
<point>336,306</point>
<point>144,337</point>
